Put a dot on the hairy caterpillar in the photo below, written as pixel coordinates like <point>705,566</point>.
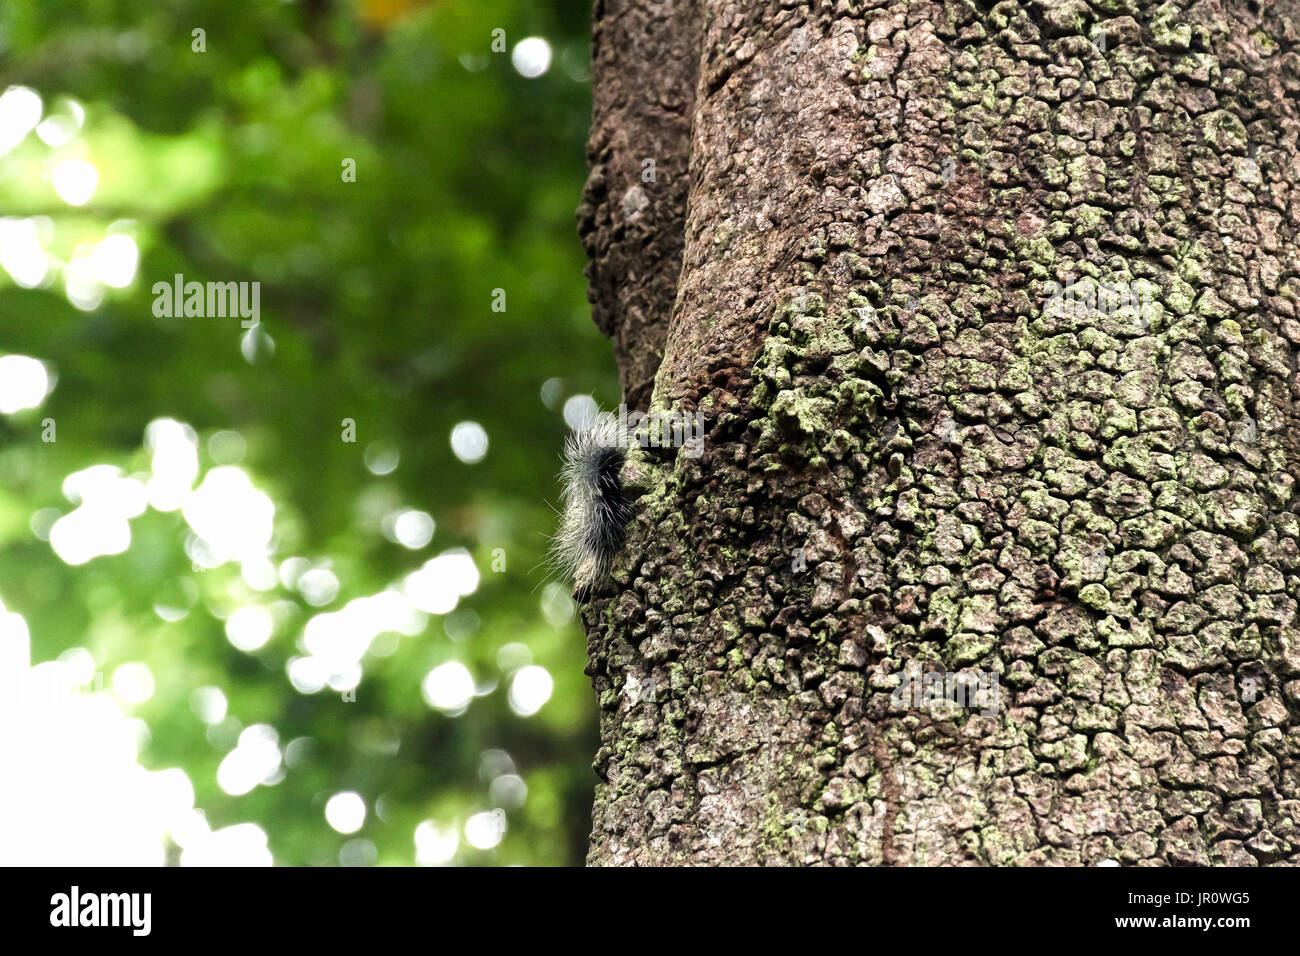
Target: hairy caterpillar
<point>595,507</point>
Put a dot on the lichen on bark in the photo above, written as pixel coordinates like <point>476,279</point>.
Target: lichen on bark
<point>915,458</point>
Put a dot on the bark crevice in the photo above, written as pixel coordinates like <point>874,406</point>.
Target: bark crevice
<point>633,211</point>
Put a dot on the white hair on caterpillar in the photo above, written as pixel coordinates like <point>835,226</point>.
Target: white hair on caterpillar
<point>596,510</point>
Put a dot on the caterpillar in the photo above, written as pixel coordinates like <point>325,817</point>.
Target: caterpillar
<point>595,508</point>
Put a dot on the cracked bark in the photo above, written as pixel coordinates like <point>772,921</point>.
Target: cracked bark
<point>914,459</point>
<point>644,57</point>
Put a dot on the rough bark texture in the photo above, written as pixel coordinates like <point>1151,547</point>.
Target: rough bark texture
<point>644,59</point>
<point>912,458</point>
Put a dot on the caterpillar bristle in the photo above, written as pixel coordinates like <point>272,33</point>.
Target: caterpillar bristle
<point>595,510</point>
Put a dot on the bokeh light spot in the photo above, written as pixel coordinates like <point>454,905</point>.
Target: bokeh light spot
<point>345,812</point>
<point>469,442</point>
<point>531,57</point>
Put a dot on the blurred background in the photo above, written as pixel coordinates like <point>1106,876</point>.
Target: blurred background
<point>276,594</point>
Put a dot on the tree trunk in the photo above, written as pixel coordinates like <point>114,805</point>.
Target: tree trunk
<point>928,452</point>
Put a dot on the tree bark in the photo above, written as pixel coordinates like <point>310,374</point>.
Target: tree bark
<point>917,457</point>
<point>644,60</point>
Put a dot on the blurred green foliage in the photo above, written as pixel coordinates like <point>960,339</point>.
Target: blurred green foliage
<point>376,297</point>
